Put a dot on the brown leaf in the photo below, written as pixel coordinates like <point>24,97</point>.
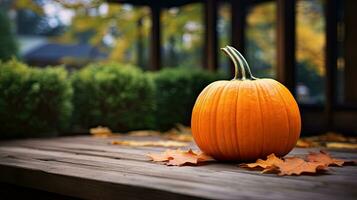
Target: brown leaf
<point>305,143</point>
<point>101,131</point>
<point>333,137</point>
<point>160,157</point>
<point>263,164</point>
<point>179,137</point>
<point>160,143</point>
<point>325,158</point>
<point>329,140</point>
<point>180,157</point>
<point>180,133</point>
<point>296,166</point>
<point>144,133</point>
<point>340,145</point>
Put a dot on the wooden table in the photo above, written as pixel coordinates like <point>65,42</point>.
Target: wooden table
<point>91,168</point>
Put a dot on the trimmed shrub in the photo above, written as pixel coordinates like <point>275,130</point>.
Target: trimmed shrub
<point>177,90</point>
<point>113,95</point>
<point>33,102</point>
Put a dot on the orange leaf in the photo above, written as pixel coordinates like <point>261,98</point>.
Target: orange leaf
<point>101,131</point>
<point>296,166</point>
<point>144,133</point>
<point>202,157</point>
<point>306,143</point>
<point>180,157</point>
<point>263,164</point>
<point>325,158</point>
<point>160,157</point>
<point>160,143</point>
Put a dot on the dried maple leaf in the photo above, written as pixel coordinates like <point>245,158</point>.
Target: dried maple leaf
<point>179,137</point>
<point>296,166</point>
<point>329,140</point>
<point>100,131</point>
<point>160,143</point>
<point>305,143</point>
<point>325,158</point>
<point>180,133</point>
<point>160,157</point>
<point>267,164</point>
<point>341,145</point>
<point>180,157</point>
<point>333,137</point>
<point>202,157</point>
<point>144,133</point>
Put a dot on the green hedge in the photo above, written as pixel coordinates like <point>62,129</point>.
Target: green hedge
<point>38,102</point>
<point>33,102</point>
<point>113,95</point>
<point>177,90</point>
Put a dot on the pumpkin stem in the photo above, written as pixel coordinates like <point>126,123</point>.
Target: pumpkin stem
<point>242,71</point>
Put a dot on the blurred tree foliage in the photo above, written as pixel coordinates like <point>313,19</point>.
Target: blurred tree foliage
<point>30,18</point>
<point>261,39</point>
<point>123,30</point>
<point>115,28</point>
<point>8,46</point>
<point>183,36</point>
<point>310,43</point>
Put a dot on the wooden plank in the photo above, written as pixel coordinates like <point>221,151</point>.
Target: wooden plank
<point>188,176</point>
<point>133,166</point>
<point>59,165</point>
<point>210,57</point>
<point>286,43</point>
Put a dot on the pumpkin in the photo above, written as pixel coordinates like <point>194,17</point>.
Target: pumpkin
<point>245,118</point>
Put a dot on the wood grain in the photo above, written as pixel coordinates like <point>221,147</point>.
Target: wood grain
<point>91,168</point>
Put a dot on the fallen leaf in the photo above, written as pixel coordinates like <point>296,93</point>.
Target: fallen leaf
<point>340,145</point>
<point>270,162</point>
<point>333,137</point>
<point>179,133</point>
<point>144,133</point>
<point>179,137</point>
<point>100,131</point>
<point>329,140</point>
<point>296,166</point>
<point>160,157</point>
<point>325,158</point>
<point>202,157</point>
<point>304,143</point>
<point>180,157</point>
<point>160,143</point>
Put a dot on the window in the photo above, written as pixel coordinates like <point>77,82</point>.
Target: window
<point>182,29</point>
<point>224,35</point>
<point>310,56</point>
<point>261,39</point>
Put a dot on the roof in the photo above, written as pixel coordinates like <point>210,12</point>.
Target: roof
<point>56,52</point>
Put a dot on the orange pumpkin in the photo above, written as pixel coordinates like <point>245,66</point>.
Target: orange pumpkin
<point>245,118</point>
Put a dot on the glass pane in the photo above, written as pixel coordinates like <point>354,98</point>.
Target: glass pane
<point>346,92</point>
<point>224,35</point>
<point>310,44</point>
<point>340,93</point>
<point>182,36</point>
<point>130,31</point>
<point>261,39</point>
